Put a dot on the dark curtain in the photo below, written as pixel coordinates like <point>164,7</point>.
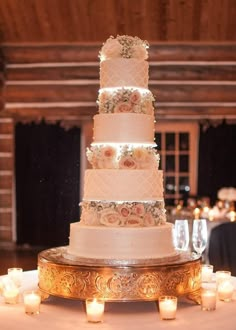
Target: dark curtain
<point>217,159</point>
<point>47,165</point>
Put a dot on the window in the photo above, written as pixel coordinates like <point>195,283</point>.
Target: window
<point>177,144</point>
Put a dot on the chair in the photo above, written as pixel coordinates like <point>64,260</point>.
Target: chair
<point>222,247</point>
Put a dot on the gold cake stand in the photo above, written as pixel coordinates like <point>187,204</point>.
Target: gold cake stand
<point>118,281</point>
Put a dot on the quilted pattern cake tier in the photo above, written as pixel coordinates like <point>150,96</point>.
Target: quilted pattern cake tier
<point>123,185</point>
<point>124,72</point>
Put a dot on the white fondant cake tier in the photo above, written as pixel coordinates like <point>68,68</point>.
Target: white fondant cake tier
<point>123,185</point>
<point>123,128</point>
<point>121,243</point>
<point>120,72</point>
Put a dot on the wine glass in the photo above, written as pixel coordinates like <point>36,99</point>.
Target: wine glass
<point>199,235</point>
<point>181,235</point>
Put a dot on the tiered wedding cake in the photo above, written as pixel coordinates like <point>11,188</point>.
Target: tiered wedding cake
<point>123,214</point>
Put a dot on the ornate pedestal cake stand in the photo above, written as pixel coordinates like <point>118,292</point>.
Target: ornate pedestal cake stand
<point>114,281</point>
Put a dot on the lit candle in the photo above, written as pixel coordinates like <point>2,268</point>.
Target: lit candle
<point>95,310</point>
<point>206,273</point>
<point>205,212</point>
<point>208,299</point>
<point>225,290</point>
<point>32,302</point>
<point>196,213</point>
<point>232,216</point>
<point>10,293</point>
<point>15,274</point>
<point>167,307</point>
<point>222,275</point>
<point>211,215</point>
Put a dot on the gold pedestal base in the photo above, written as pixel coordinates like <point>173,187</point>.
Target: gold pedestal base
<point>65,278</point>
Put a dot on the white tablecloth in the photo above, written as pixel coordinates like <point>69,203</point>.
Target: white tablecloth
<point>57,313</point>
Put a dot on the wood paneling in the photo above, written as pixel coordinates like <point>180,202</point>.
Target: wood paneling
<point>6,163</point>
<point>75,114</point>
<point>6,126</point>
<point>6,143</point>
<point>6,177</point>
<point>5,201</point>
<point>6,235</point>
<point>95,20</point>
<point>183,92</point>
<point>78,52</point>
<point>188,80</point>
<point>158,71</point>
<point>5,220</point>
<point>6,181</point>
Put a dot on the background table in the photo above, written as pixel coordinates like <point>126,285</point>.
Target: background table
<point>62,314</point>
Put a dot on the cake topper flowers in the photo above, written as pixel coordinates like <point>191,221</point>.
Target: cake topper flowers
<point>124,46</point>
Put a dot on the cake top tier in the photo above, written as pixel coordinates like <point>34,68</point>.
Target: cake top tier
<point>124,47</point>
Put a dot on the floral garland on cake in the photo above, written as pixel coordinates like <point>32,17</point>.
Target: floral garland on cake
<point>124,46</point>
<point>128,214</point>
<point>125,100</point>
<point>122,157</point>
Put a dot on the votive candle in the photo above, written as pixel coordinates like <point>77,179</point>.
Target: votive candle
<point>15,274</point>
<point>206,273</point>
<point>11,294</point>
<point>196,213</point>
<point>222,275</point>
<point>225,290</point>
<point>208,299</point>
<point>167,307</point>
<point>95,310</point>
<point>232,216</point>
<point>32,301</point>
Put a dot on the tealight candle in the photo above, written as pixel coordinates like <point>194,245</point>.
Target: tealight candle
<point>167,307</point>
<point>208,299</point>
<point>222,275</point>
<point>15,274</point>
<point>225,290</point>
<point>32,301</point>
<point>95,310</point>
<point>206,273</point>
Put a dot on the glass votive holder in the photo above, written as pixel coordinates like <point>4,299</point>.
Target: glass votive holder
<point>206,273</point>
<point>15,274</point>
<point>222,275</point>
<point>167,307</point>
<point>10,292</point>
<point>95,310</point>
<point>225,290</point>
<point>32,301</point>
<point>208,297</point>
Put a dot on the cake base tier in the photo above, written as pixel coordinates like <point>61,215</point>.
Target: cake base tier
<point>79,280</point>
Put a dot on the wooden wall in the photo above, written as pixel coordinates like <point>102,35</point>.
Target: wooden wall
<point>191,81</point>
<point>6,164</point>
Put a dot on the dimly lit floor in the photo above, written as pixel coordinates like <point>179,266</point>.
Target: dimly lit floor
<point>23,258</point>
